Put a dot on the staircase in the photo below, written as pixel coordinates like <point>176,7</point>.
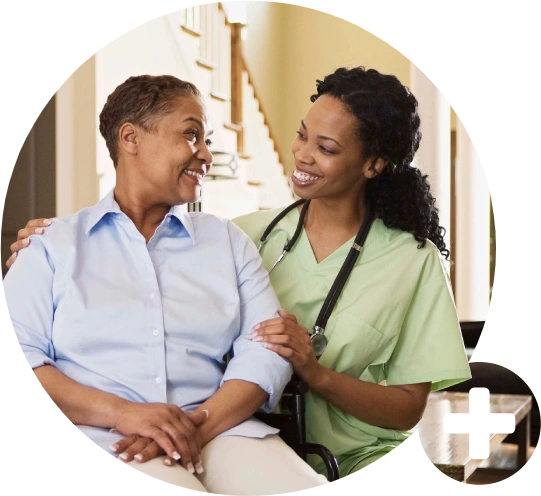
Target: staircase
<point>211,51</point>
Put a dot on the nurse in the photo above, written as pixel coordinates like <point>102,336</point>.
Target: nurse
<point>393,334</point>
<point>388,328</point>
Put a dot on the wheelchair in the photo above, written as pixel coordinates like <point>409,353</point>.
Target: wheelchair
<point>291,422</point>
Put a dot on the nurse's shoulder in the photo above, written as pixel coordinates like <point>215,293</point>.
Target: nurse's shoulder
<point>254,224</point>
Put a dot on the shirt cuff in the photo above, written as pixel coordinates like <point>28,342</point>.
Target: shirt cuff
<point>263,367</point>
<point>37,358</point>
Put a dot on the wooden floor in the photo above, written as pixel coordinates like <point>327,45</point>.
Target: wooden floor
<point>500,465</point>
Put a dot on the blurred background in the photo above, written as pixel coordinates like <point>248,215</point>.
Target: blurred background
<point>256,64</point>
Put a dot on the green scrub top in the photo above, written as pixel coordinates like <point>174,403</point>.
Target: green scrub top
<point>395,321</point>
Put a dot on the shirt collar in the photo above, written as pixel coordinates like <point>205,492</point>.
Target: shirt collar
<point>105,206</point>
<point>109,205</point>
<point>184,218</point>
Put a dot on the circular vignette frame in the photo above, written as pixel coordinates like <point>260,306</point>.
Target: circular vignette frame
<point>355,19</point>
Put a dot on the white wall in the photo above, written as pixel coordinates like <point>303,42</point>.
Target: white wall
<point>434,155</point>
<point>473,231</point>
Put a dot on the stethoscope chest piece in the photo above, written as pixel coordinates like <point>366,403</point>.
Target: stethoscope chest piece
<point>319,341</point>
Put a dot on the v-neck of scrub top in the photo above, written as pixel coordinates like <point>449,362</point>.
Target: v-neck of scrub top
<point>332,261</point>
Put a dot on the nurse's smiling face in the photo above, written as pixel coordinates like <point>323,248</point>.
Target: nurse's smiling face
<point>329,162</point>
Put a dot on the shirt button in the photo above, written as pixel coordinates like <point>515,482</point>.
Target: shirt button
<point>152,296</point>
<point>155,332</point>
<point>158,380</point>
<point>168,219</point>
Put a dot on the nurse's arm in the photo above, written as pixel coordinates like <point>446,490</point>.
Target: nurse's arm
<point>390,407</point>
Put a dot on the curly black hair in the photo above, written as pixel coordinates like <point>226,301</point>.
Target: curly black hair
<point>389,128</point>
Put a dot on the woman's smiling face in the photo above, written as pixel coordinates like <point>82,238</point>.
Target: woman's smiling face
<point>174,157</point>
<point>328,152</point>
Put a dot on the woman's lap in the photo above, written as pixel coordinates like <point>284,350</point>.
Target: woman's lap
<point>242,466</point>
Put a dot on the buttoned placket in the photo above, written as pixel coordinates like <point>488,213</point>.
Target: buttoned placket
<point>153,321</point>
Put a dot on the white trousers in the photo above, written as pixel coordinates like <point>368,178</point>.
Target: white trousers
<point>242,466</point>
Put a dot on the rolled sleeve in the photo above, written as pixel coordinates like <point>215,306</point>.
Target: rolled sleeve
<point>28,287</point>
<point>251,361</point>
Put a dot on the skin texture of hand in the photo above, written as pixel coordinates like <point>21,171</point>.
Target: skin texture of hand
<point>142,449</point>
<point>160,427</point>
<point>287,338</point>
<point>35,226</point>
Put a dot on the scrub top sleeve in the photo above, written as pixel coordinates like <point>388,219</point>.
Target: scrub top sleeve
<point>254,224</point>
<point>29,295</point>
<point>430,346</point>
<point>251,361</point>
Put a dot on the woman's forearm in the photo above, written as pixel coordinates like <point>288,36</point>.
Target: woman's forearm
<point>233,403</point>
<point>81,404</point>
<point>389,407</point>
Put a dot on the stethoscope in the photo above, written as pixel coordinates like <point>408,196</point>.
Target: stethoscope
<point>318,338</point>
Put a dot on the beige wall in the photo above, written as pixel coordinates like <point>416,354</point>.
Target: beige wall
<point>77,183</point>
<point>264,51</point>
<point>308,44</point>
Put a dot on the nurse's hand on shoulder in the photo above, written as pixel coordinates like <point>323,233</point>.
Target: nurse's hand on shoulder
<point>286,337</point>
<point>35,226</point>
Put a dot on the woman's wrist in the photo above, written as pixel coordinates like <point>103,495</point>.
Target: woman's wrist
<point>118,408</point>
<point>205,429</point>
<point>318,379</point>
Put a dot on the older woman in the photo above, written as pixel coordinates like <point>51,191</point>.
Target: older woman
<point>126,310</point>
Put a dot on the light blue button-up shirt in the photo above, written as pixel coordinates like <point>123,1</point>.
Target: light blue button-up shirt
<point>146,322</point>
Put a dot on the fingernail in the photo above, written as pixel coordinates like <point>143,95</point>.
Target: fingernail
<point>191,469</point>
<point>176,456</point>
<point>167,462</point>
<point>257,338</point>
<point>113,431</point>
<point>39,230</point>
<point>138,457</point>
<point>25,241</point>
<point>256,327</point>
<point>114,447</point>
<point>124,456</point>
<point>47,222</point>
<point>206,413</point>
<point>199,468</point>
<point>14,255</point>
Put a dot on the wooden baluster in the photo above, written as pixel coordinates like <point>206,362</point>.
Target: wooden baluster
<point>237,67</point>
